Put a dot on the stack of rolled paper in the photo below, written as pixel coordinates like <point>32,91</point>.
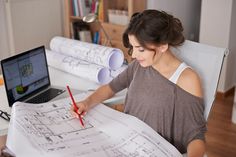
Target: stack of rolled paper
<point>91,61</point>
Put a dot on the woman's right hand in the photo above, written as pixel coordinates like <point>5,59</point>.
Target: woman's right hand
<point>104,92</point>
<point>83,108</point>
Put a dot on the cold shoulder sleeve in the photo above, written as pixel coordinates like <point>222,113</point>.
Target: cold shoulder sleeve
<point>190,124</point>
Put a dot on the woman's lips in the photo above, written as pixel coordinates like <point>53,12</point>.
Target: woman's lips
<point>140,61</point>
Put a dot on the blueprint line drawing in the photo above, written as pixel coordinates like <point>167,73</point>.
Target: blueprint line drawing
<point>50,129</point>
<point>90,61</point>
<point>78,67</point>
<point>102,55</point>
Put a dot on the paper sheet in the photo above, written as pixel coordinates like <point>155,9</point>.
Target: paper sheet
<point>106,56</point>
<point>78,67</point>
<point>50,130</point>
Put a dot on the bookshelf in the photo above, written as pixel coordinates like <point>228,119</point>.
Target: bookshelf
<point>110,11</point>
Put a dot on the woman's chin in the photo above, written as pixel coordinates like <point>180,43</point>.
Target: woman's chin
<point>143,65</point>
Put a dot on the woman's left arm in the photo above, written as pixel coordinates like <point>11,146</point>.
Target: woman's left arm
<point>191,83</point>
<point>196,148</point>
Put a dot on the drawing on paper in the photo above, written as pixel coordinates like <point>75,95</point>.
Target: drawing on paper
<point>101,55</point>
<point>53,129</point>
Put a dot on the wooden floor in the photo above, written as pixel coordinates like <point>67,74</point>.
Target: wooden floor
<point>221,134</point>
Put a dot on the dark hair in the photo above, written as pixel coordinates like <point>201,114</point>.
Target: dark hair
<point>154,27</point>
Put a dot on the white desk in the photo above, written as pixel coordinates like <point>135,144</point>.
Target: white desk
<point>58,78</point>
<point>4,107</point>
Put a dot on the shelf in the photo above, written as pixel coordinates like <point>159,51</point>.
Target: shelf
<point>75,18</point>
<point>114,31</point>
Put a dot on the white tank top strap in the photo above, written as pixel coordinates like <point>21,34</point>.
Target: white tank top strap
<point>174,78</point>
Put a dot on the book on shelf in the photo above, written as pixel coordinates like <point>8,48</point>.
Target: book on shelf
<point>81,31</point>
<point>96,38</point>
<point>85,35</point>
<point>100,11</point>
<point>84,7</point>
<point>119,17</point>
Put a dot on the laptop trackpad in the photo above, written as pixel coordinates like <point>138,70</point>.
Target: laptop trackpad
<point>65,94</point>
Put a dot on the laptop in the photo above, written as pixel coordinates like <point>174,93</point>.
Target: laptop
<point>26,78</point>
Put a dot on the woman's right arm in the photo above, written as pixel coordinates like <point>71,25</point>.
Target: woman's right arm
<point>101,94</point>
<point>105,92</point>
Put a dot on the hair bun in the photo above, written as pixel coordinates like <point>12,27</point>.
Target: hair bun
<point>136,16</point>
<point>154,27</point>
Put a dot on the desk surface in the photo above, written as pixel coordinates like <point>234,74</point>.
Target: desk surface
<point>4,107</point>
<point>58,78</point>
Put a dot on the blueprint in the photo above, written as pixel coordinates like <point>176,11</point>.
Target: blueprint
<point>50,129</point>
<point>102,55</point>
<point>78,67</point>
<point>114,73</point>
<point>90,61</point>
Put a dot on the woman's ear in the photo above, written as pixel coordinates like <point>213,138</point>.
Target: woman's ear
<point>163,48</point>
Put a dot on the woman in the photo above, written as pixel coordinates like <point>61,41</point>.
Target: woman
<point>163,91</point>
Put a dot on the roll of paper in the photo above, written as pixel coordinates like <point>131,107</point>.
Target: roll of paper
<point>114,73</point>
<point>78,67</point>
<point>106,56</point>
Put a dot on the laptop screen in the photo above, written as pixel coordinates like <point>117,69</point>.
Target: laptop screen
<point>25,74</point>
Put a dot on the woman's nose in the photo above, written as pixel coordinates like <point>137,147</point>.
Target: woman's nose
<point>134,54</point>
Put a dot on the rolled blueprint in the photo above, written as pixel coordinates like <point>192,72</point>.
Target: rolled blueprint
<point>78,67</point>
<point>106,56</point>
<point>114,73</point>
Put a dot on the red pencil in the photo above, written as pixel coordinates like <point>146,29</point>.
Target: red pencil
<point>74,105</point>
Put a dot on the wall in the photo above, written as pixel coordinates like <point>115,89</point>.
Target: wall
<point>4,44</point>
<point>188,11</point>
<point>217,28</point>
<point>232,41</point>
<point>35,22</point>
<point>214,27</point>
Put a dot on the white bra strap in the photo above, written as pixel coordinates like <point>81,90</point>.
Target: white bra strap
<point>174,78</point>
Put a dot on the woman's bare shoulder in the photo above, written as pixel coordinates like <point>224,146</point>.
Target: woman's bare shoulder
<point>190,82</point>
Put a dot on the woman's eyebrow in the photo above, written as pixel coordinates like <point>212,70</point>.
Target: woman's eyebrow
<point>137,46</point>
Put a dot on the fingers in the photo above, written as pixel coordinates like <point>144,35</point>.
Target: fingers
<point>82,109</point>
<point>73,113</point>
<point>83,114</point>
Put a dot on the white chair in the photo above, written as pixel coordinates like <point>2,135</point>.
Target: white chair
<point>207,61</point>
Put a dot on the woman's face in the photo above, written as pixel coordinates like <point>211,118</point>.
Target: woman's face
<point>145,57</point>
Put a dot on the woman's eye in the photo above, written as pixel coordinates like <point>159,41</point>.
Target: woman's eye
<point>141,50</point>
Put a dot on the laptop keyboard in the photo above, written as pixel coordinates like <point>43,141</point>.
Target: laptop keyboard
<point>46,96</point>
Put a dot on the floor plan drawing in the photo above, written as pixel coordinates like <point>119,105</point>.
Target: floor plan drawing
<point>137,145</point>
<point>50,129</point>
<point>55,129</point>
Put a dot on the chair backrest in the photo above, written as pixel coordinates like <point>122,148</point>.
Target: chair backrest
<point>207,61</point>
